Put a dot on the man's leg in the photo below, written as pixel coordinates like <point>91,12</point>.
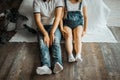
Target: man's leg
<point>56,53</point>
<point>45,57</point>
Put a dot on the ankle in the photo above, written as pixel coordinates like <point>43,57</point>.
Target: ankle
<point>71,58</point>
<point>78,54</point>
<point>78,57</point>
<point>70,55</point>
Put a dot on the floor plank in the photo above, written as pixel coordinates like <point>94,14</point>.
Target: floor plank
<point>112,65</point>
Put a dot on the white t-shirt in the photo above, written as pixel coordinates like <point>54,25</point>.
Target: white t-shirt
<point>47,10</point>
<point>75,6</point>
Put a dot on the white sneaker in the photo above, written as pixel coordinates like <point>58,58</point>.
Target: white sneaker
<point>71,58</point>
<point>43,70</point>
<point>78,58</point>
<point>57,68</point>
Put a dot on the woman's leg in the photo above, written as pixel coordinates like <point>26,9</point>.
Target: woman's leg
<point>77,34</point>
<point>68,43</point>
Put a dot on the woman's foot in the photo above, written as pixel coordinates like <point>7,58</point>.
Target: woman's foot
<point>57,68</point>
<point>78,58</point>
<point>71,58</point>
<point>43,70</point>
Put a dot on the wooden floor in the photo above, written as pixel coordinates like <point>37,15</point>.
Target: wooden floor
<point>18,61</point>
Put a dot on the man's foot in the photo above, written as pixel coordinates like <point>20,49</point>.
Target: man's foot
<point>57,68</point>
<point>43,70</point>
<point>71,58</point>
<point>78,58</point>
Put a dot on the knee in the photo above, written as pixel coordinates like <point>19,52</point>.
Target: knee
<point>77,35</point>
<point>77,38</point>
<point>69,35</point>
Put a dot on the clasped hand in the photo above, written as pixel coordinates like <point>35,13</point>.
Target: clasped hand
<point>49,39</point>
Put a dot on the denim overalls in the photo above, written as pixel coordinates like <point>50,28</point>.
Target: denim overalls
<point>73,18</point>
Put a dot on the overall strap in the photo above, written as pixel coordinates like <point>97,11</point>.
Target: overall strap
<point>65,4</point>
<point>80,5</point>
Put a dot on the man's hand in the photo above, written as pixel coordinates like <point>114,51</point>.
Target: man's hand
<point>51,38</point>
<point>47,40</point>
<point>64,33</point>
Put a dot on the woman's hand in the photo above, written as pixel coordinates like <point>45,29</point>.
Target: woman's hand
<point>83,33</point>
<point>47,40</point>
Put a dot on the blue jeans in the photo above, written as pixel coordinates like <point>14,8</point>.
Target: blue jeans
<point>55,48</point>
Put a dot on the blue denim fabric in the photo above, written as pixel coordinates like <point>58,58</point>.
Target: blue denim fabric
<point>56,48</point>
<point>73,19</point>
